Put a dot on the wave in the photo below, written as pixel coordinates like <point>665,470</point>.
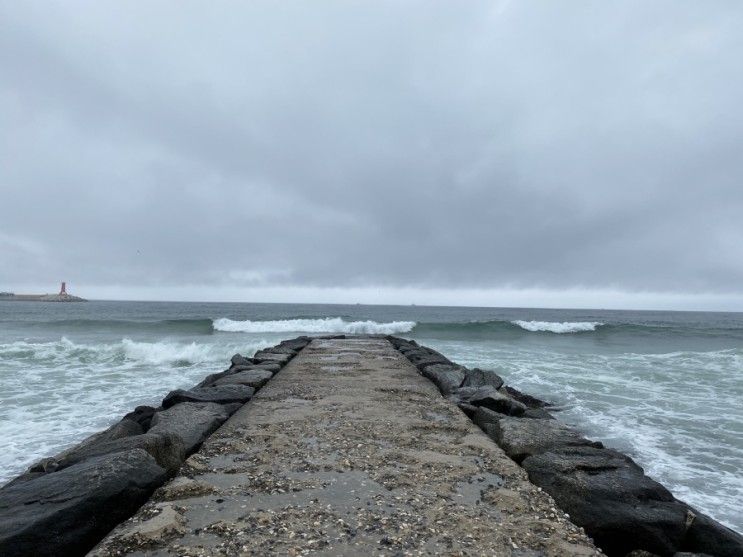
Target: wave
<point>558,327</point>
<point>65,353</point>
<point>325,325</point>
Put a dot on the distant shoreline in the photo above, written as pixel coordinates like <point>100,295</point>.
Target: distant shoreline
<point>40,298</point>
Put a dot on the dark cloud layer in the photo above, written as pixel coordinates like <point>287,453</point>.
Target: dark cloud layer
<point>354,144</point>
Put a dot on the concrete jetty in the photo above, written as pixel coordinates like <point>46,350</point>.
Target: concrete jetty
<point>348,451</point>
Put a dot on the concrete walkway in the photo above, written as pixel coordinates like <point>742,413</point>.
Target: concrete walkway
<point>349,451</point>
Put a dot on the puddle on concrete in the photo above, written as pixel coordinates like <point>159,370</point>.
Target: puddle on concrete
<point>470,492</point>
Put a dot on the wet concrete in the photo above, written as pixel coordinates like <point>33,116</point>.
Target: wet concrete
<point>349,451</point>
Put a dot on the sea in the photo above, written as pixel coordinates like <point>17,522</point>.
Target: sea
<point>664,387</point>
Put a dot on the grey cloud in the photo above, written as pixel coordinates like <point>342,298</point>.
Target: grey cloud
<point>447,145</point>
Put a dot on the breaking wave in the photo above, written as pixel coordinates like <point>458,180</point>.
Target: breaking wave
<point>326,325</point>
<point>558,327</point>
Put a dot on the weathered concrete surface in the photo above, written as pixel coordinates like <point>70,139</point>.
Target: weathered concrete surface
<point>349,451</point>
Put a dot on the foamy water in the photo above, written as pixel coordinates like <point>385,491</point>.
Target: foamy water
<point>663,387</point>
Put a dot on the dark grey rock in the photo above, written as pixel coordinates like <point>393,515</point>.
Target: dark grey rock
<point>268,366</point>
<point>255,378</point>
<point>468,409</point>
<point>142,415</point>
<point>240,360</point>
<point>192,422</point>
<point>520,438</point>
<point>607,494</point>
<point>706,535</point>
<point>167,449</point>
<point>222,394</point>
<point>538,413</point>
<point>485,418</point>
<point>448,378</point>
<point>527,400</point>
<point>267,355</point>
<point>296,344</point>
<point>119,430</point>
<point>66,513</point>
<point>479,377</point>
<point>492,398</point>
<point>423,357</point>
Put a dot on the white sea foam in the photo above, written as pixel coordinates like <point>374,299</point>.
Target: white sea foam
<point>55,393</point>
<point>558,327</point>
<point>326,325</point>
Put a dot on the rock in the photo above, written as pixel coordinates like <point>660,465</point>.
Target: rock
<point>538,413</point>
<point>607,494</point>
<point>485,419</point>
<point>521,438</point>
<point>527,400</point>
<point>448,378</point>
<point>468,409</point>
<point>684,554</point>
<point>168,450</point>
<point>222,394</point>
<point>296,344</point>
<point>423,357</point>
<point>121,429</point>
<point>142,415</point>
<point>192,422</point>
<point>264,356</point>
<point>267,366</point>
<point>706,535</point>
<point>490,397</point>
<point>255,378</point>
<point>479,377</point>
<point>65,513</point>
<point>240,360</point>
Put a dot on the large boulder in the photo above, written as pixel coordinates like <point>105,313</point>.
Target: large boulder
<point>255,378</point>
<point>142,415</point>
<point>447,377</point>
<point>607,494</point>
<point>520,438</point>
<point>267,366</point>
<point>422,357</point>
<point>167,449</point>
<point>192,422</point>
<point>296,344</point>
<point>240,360</point>
<point>67,512</point>
<point>490,397</point>
<point>527,400</point>
<point>268,355</point>
<point>214,377</point>
<point>221,394</point>
<point>479,377</point>
<point>121,429</point>
<point>706,535</point>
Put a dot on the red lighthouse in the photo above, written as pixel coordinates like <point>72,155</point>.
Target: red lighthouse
<point>63,291</point>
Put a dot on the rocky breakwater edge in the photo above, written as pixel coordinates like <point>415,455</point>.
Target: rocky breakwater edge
<point>64,505</point>
<point>626,513</point>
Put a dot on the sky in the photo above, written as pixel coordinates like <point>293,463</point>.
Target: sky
<point>557,154</point>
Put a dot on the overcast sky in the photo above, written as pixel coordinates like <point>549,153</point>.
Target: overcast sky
<point>495,153</point>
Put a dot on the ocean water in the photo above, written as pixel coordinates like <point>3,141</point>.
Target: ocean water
<point>664,387</point>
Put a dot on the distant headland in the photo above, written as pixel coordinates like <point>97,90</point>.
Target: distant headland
<point>62,296</point>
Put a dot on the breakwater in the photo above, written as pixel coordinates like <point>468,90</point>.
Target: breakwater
<point>603,490</point>
<point>65,504</point>
<point>349,450</point>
